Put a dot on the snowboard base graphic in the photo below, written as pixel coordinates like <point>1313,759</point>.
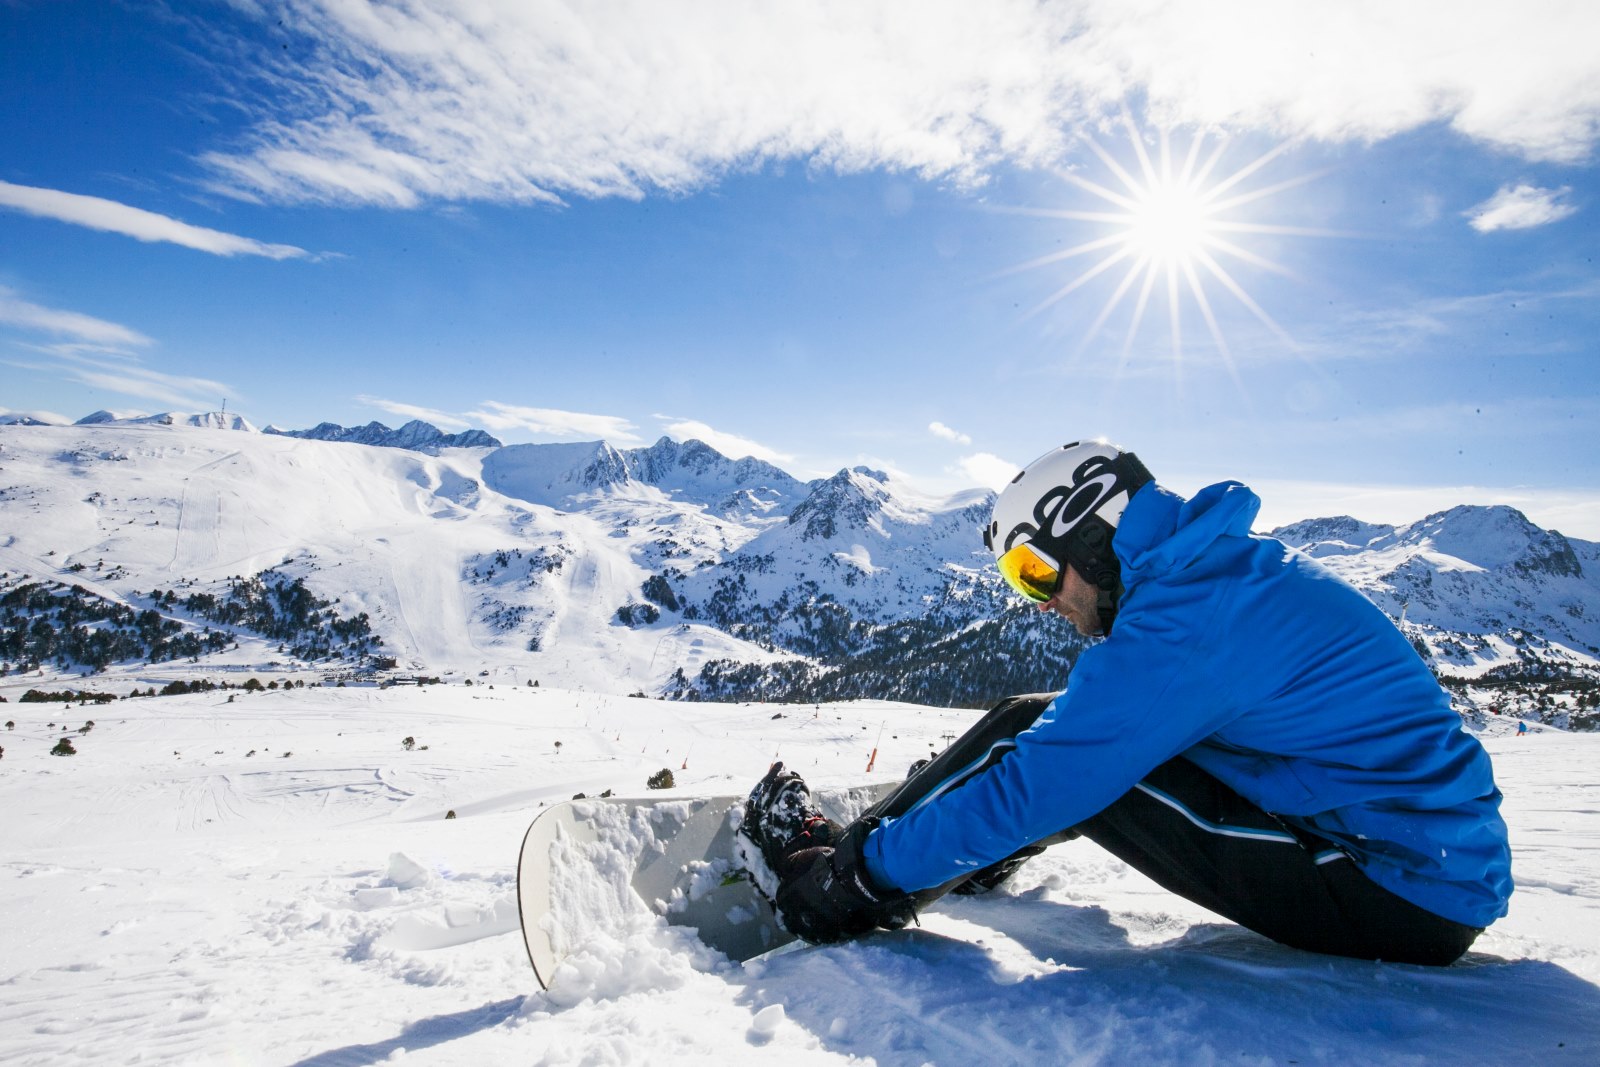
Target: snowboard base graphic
<point>589,865</point>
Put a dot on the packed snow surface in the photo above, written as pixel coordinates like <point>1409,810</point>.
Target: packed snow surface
<point>272,880</point>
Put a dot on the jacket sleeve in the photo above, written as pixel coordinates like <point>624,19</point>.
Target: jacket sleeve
<point>1133,702</point>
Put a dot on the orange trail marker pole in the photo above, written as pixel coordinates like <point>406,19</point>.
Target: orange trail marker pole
<point>874,757</point>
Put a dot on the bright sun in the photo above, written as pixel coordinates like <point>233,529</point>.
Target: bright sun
<point>1169,222</point>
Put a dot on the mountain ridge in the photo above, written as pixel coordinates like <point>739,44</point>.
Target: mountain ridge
<point>674,570</point>
<point>416,435</point>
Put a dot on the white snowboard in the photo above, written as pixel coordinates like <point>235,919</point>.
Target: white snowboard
<point>588,865</point>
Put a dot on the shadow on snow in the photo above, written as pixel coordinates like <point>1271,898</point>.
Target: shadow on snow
<point>424,1033</point>
<point>1215,994</point>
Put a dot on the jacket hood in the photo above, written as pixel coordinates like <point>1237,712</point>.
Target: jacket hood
<point>1162,532</point>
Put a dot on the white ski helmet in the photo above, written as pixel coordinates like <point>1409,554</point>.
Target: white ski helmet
<point>1063,509</point>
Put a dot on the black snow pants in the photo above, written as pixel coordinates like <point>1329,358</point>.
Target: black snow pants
<point>1196,837</point>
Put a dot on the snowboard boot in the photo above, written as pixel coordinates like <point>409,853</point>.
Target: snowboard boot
<point>780,820</point>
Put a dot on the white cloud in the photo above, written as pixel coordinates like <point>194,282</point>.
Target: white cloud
<point>731,445</point>
<point>96,353</point>
<point>987,470</point>
<point>532,100</point>
<point>550,422</point>
<point>442,419</point>
<point>23,314</point>
<point>1520,207</point>
<point>896,473</point>
<point>108,215</point>
<point>1520,77</point>
<point>502,417</point>
<point>37,414</point>
<point>178,391</point>
<point>939,429</point>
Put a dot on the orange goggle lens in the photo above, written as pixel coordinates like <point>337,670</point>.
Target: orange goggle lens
<point>1030,572</point>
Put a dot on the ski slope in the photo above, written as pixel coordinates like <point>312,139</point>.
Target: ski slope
<point>385,531</point>
<point>171,898</point>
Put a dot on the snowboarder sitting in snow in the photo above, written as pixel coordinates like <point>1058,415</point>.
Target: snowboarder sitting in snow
<point>1253,734</point>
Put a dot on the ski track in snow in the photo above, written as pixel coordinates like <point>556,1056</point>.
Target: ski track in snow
<point>172,900</point>
<point>197,537</point>
<point>431,595</point>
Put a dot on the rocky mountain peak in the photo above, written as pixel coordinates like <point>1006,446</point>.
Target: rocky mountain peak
<point>1496,537</point>
<point>605,467</point>
<point>1336,536</point>
<point>415,436</point>
<point>667,458</point>
<point>847,500</point>
<point>693,470</point>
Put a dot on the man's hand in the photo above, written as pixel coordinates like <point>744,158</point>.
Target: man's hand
<point>826,894</point>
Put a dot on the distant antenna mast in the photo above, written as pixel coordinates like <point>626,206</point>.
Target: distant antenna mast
<point>224,405</point>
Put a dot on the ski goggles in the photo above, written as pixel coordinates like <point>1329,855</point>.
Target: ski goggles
<point>1030,572</point>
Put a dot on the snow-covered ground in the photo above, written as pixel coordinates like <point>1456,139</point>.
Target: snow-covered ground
<point>170,898</point>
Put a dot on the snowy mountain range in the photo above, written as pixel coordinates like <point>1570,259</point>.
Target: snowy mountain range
<point>416,434</point>
<point>211,420</point>
<point>665,570</point>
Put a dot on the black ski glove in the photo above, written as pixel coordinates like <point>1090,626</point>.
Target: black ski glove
<point>826,894</point>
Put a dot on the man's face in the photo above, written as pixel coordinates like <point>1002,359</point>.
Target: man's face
<point>1076,601</point>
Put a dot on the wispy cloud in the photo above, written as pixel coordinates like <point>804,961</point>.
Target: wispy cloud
<point>502,418</point>
<point>939,429</point>
<point>1403,324</point>
<point>99,354</point>
<point>37,414</point>
<point>731,445</point>
<point>442,419</point>
<point>99,214</point>
<point>526,100</point>
<point>1521,207</point>
<point>177,391</point>
<point>552,422</point>
<point>987,470</point>
<point>26,315</point>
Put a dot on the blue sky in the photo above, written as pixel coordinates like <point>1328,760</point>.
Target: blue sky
<point>833,233</point>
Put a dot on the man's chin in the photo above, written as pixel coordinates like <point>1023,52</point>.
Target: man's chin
<point>1079,625</point>
<point>1073,622</point>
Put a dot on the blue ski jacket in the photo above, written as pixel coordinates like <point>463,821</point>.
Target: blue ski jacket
<point>1271,673</point>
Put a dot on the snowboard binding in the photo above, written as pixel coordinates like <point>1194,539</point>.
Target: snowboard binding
<point>780,819</point>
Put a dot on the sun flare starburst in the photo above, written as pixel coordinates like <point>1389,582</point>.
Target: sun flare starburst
<point>1170,223</point>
